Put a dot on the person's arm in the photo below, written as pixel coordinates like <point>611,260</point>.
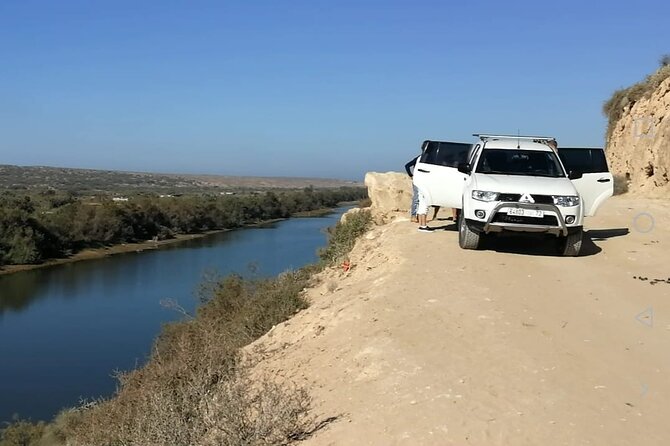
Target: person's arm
<point>409,167</point>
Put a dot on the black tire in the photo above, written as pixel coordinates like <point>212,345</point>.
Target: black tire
<point>570,245</point>
<point>467,238</point>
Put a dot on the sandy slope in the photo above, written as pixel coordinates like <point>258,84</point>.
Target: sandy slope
<point>425,343</point>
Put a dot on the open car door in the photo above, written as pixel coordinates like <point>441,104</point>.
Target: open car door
<point>436,173</point>
<point>597,184</point>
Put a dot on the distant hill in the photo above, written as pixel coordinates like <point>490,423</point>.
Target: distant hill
<point>39,177</point>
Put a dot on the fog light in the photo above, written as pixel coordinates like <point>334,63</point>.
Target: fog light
<point>570,219</point>
<point>480,214</point>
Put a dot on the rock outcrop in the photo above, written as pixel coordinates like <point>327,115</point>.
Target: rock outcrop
<point>389,192</point>
<point>638,148</point>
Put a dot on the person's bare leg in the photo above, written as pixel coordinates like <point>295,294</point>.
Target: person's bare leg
<point>436,209</point>
<point>454,214</point>
<point>422,220</point>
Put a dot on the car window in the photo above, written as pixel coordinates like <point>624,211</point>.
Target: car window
<point>584,160</point>
<point>520,162</point>
<point>449,154</point>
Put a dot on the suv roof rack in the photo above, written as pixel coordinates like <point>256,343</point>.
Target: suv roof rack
<point>486,136</point>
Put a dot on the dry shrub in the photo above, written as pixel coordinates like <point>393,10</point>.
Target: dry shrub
<point>343,236</point>
<point>21,433</point>
<point>625,98</point>
<point>194,390</point>
<point>235,410</point>
<point>365,203</point>
<point>620,184</point>
<point>258,411</point>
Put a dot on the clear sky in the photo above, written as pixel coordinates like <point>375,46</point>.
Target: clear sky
<point>329,88</point>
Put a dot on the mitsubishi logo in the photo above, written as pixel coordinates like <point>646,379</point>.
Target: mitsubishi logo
<point>526,198</point>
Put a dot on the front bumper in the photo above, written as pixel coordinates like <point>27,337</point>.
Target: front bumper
<point>497,221</point>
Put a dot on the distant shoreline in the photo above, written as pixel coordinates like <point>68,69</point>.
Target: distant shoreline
<point>124,248</point>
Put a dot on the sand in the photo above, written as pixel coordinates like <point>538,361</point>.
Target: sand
<point>422,343</point>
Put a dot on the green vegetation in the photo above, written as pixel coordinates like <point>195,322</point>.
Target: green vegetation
<point>42,225</point>
<point>344,235</point>
<point>197,388</point>
<point>625,98</point>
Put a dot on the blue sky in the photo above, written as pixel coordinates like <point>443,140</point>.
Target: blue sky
<point>306,87</point>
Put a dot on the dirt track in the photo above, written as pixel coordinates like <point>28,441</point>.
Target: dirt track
<point>422,343</point>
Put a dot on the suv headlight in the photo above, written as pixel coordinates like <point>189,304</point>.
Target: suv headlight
<point>483,195</point>
<point>566,200</point>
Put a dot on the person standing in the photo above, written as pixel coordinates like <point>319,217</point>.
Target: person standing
<point>421,212</point>
<point>409,168</point>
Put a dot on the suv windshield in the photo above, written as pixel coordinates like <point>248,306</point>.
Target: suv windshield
<point>520,162</point>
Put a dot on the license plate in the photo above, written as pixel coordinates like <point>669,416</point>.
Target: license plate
<point>525,212</point>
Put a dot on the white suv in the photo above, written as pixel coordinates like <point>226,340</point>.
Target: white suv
<point>515,183</point>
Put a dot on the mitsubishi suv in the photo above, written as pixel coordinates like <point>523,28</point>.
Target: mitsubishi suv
<point>515,183</point>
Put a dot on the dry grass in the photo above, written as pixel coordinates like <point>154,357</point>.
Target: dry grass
<point>21,433</point>
<point>344,235</point>
<point>625,98</point>
<point>194,390</point>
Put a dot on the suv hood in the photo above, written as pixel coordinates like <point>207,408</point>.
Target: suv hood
<point>522,184</point>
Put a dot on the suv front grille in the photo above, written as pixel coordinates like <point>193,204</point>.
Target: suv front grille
<point>543,199</point>
<point>547,220</point>
<point>514,198</point>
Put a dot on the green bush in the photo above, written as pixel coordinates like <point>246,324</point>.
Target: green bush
<point>42,226</point>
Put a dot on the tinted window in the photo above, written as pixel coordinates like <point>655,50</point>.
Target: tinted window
<point>448,154</point>
<point>584,160</point>
<point>519,162</point>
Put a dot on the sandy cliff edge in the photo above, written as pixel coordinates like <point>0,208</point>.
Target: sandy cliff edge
<point>422,343</point>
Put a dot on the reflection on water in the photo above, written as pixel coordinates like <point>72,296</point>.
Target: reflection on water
<point>65,329</point>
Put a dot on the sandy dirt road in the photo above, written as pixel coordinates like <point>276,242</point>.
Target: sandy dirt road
<point>423,343</point>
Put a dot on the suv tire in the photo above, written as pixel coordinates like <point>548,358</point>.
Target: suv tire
<point>467,238</point>
<point>570,245</point>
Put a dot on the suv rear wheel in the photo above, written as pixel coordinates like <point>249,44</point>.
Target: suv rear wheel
<point>467,238</point>
<point>571,244</point>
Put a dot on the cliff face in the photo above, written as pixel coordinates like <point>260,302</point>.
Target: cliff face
<point>390,193</point>
<point>638,148</point>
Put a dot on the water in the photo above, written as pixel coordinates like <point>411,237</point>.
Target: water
<point>65,329</point>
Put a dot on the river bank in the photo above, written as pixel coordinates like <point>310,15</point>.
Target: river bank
<point>53,316</point>
<point>124,248</point>
<point>201,367</point>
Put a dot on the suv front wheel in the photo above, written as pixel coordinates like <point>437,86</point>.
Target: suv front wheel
<point>467,238</point>
<point>571,244</point>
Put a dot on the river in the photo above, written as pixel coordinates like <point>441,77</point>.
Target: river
<point>65,329</point>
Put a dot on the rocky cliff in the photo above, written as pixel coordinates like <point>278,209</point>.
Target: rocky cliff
<point>390,193</point>
<point>638,145</point>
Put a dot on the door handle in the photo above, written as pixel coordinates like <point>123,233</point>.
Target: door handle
<point>424,171</point>
<point>604,180</point>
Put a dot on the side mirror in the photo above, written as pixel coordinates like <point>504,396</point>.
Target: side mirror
<point>575,174</point>
<point>464,168</point>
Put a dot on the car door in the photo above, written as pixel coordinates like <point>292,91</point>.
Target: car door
<point>436,173</point>
<point>597,184</point>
